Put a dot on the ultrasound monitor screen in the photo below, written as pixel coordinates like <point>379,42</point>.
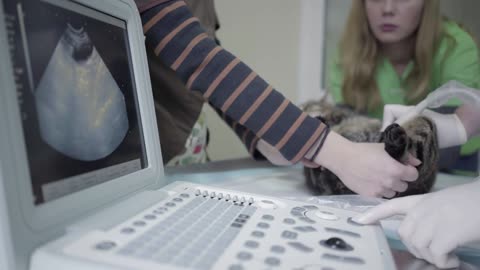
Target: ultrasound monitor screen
<point>76,94</point>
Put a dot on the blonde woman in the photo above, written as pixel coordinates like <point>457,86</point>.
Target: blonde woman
<point>396,52</point>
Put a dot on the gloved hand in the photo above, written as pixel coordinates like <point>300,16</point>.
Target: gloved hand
<point>397,113</point>
<point>436,223</point>
<point>366,168</point>
<point>450,130</point>
<point>468,114</point>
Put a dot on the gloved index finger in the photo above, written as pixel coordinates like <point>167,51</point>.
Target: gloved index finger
<point>392,112</point>
<point>388,119</point>
<point>400,206</point>
<point>408,115</point>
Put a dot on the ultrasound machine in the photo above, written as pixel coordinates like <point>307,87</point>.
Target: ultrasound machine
<point>82,184</point>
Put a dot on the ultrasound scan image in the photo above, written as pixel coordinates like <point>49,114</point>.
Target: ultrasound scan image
<point>81,110</point>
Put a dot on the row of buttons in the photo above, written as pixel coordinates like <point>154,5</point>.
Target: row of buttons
<point>195,234</point>
<point>157,212</point>
<point>334,243</point>
<point>108,245</point>
<point>278,249</point>
<point>299,212</point>
<point>245,256</point>
<point>227,197</point>
<point>240,221</point>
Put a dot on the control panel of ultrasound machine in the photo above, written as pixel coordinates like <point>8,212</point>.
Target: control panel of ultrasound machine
<point>201,227</point>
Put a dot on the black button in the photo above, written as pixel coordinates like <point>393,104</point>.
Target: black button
<point>239,220</point>
<point>236,225</point>
<point>336,243</point>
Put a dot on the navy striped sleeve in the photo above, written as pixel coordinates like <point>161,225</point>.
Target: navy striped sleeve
<point>229,85</point>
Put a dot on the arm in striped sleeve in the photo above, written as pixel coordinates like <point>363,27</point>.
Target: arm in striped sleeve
<point>227,83</point>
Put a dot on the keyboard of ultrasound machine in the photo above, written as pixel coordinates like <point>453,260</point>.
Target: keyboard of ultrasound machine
<point>200,227</point>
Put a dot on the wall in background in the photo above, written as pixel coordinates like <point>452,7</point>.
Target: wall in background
<point>336,17</point>
<point>465,12</point>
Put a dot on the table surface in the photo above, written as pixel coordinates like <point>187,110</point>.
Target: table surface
<point>289,183</point>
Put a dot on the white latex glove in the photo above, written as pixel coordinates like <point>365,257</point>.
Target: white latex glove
<point>397,113</point>
<point>436,223</point>
<point>366,168</point>
<point>450,130</point>
<point>468,114</point>
<point>275,157</point>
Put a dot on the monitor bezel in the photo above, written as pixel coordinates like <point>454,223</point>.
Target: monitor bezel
<point>15,169</point>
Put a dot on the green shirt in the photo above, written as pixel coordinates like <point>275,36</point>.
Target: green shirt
<point>461,64</point>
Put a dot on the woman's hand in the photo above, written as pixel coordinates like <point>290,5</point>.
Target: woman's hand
<point>366,168</point>
<point>436,223</point>
<point>450,129</point>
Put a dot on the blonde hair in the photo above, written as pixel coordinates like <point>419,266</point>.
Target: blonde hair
<point>360,54</point>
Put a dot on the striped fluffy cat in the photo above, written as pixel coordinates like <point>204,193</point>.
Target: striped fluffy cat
<point>417,136</point>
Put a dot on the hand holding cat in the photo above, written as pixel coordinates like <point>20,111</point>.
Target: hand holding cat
<point>435,223</point>
<point>366,168</point>
<point>450,130</point>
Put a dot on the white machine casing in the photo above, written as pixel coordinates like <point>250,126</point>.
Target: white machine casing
<point>369,241</point>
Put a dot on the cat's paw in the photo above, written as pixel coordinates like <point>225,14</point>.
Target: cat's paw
<point>396,140</point>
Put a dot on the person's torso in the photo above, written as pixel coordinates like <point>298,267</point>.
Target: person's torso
<point>177,108</point>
